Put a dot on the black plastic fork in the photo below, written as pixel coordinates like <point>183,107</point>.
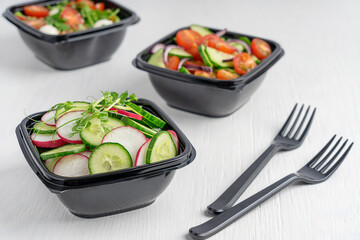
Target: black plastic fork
<point>285,140</point>
<point>315,171</point>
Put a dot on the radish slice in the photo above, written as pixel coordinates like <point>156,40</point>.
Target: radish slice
<point>86,153</point>
<point>141,154</point>
<point>167,50</point>
<point>198,67</point>
<point>131,138</point>
<point>175,139</point>
<point>246,46</point>
<point>47,140</point>
<point>64,127</point>
<point>127,114</point>
<point>74,165</point>
<point>181,63</point>
<point>221,33</point>
<point>49,118</point>
<point>157,47</point>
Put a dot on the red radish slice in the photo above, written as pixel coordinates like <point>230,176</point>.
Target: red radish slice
<point>221,33</point>
<point>47,140</point>
<point>167,50</point>
<point>157,47</point>
<point>86,153</point>
<point>64,127</point>
<point>74,165</point>
<point>141,154</point>
<point>49,118</point>
<point>182,61</point>
<point>175,139</point>
<point>131,138</point>
<point>127,114</point>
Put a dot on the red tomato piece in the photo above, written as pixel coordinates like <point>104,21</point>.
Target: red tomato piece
<point>71,4</point>
<point>36,11</point>
<point>243,63</point>
<point>36,23</point>
<point>72,17</point>
<point>194,51</point>
<point>204,74</point>
<point>172,62</point>
<point>204,40</point>
<point>21,18</point>
<point>260,48</point>
<point>90,3</point>
<point>100,6</point>
<point>187,38</point>
<point>221,46</point>
<point>226,75</point>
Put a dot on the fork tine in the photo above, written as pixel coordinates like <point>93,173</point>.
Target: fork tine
<point>283,128</point>
<point>337,164</point>
<point>296,119</point>
<point>303,135</point>
<point>317,156</point>
<point>333,158</point>
<point>327,155</point>
<point>302,123</point>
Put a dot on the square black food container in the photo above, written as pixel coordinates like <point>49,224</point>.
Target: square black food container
<point>205,96</point>
<point>77,49</point>
<point>113,192</point>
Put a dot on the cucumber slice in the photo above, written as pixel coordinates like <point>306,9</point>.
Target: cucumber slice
<point>157,59</point>
<point>184,70</point>
<point>93,134</point>
<point>148,132</point>
<point>238,46</point>
<point>50,163</point>
<point>76,106</point>
<point>63,151</point>
<point>180,53</point>
<point>217,57</point>
<point>42,128</point>
<point>202,30</point>
<point>148,118</point>
<point>161,147</point>
<point>204,55</point>
<point>109,157</point>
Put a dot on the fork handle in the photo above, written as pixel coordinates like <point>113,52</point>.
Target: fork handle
<point>229,197</point>
<point>221,221</point>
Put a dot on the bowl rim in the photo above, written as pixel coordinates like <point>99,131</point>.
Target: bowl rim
<point>60,183</point>
<point>69,37</point>
<point>277,53</point>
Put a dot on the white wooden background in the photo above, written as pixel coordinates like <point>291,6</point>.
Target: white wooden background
<point>320,67</point>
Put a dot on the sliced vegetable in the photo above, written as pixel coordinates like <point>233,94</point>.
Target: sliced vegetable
<point>184,70</point>
<point>72,17</point>
<point>180,53</point>
<point>201,30</point>
<point>129,137</point>
<point>221,33</point>
<point>187,38</point>
<point>70,107</point>
<point>204,74</point>
<point>126,113</point>
<point>172,63</point>
<point>244,63</point>
<point>204,55</point>
<point>50,163</point>
<point>86,153</point>
<point>148,118</point>
<point>75,165</point>
<point>109,157</point>
<point>226,75</point>
<point>42,128</point>
<point>198,68</point>
<point>49,118</point>
<point>156,47</point>
<point>36,11</point>
<point>157,59</point>
<point>63,151</point>
<point>65,126</point>
<point>141,154</point>
<point>260,48</point>
<point>240,45</point>
<point>245,39</point>
<point>181,63</point>
<point>148,132</point>
<point>175,139</point>
<point>47,140</point>
<point>161,147</point>
<point>167,50</point>
<point>217,57</point>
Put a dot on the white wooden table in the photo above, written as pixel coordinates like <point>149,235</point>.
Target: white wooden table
<point>320,67</point>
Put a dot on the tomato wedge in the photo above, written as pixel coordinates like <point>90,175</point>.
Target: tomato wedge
<point>36,11</point>
<point>243,63</point>
<point>188,40</point>
<point>216,42</point>
<point>172,62</point>
<point>260,48</point>
<point>90,3</point>
<point>72,17</point>
<point>204,74</point>
<point>100,6</point>
<point>225,75</point>
<point>36,23</point>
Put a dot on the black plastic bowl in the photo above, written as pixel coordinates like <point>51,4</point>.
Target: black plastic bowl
<point>210,97</point>
<point>113,192</point>
<point>78,49</point>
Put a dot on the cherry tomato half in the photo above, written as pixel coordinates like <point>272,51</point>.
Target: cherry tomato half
<point>36,23</point>
<point>204,40</point>
<point>187,38</point>
<point>204,74</point>
<point>90,3</point>
<point>72,17</point>
<point>100,6</point>
<point>243,63</point>
<point>260,48</point>
<point>36,11</point>
<point>225,75</point>
<point>172,62</point>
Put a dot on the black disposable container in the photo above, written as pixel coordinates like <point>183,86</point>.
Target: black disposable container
<point>113,192</point>
<point>210,97</point>
<point>78,49</point>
